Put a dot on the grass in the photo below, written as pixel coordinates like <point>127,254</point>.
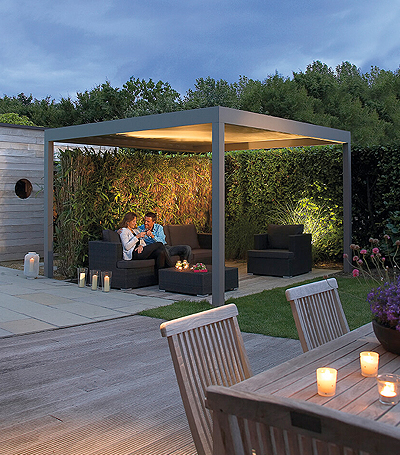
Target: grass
<point>269,313</point>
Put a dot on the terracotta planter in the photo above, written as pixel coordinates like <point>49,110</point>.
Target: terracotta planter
<point>389,338</point>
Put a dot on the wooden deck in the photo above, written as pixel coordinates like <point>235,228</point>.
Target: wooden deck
<point>106,388</point>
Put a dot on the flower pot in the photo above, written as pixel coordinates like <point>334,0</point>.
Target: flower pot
<point>389,338</point>
<point>199,271</point>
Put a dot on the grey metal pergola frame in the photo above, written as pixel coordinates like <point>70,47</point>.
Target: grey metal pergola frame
<point>216,129</point>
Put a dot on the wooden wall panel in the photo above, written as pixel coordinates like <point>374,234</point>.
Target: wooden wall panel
<point>21,220</point>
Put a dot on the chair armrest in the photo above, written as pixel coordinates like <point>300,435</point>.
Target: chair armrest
<point>205,240</point>
<point>300,244</point>
<point>105,252</point>
<point>260,241</point>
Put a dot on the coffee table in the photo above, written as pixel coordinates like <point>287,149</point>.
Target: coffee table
<point>194,283</point>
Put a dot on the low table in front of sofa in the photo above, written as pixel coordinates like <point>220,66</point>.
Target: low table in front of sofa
<point>194,283</point>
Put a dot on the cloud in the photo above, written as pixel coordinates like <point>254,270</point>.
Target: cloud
<point>59,48</point>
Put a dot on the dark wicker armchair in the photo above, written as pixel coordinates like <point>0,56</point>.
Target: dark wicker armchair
<point>283,251</point>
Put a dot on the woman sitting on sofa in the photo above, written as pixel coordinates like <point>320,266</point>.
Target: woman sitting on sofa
<point>134,247</point>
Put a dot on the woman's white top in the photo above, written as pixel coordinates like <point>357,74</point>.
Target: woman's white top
<point>130,242</point>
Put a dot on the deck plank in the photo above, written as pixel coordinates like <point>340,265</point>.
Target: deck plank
<point>105,388</point>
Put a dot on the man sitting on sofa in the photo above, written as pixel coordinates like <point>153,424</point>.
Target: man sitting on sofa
<point>155,233</point>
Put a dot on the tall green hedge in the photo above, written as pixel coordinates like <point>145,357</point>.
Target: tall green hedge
<point>94,190</point>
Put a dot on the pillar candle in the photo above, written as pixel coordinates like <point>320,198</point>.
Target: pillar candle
<point>31,264</point>
<point>94,282</point>
<point>106,283</point>
<point>82,276</point>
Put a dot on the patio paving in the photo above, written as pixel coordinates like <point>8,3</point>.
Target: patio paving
<point>28,306</point>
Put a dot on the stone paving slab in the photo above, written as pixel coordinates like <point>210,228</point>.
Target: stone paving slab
<point>28,306</point>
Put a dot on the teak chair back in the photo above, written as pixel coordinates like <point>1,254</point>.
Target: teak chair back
<point>253,424</point>
<point>206,348</point>
<point>317,312</point>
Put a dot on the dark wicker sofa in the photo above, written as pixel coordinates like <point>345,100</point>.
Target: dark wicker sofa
<point>186,234</point>
<point>283,251</point>
<point>106,254</point>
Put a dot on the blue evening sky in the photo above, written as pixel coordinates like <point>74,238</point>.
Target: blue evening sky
<point>57,48</point>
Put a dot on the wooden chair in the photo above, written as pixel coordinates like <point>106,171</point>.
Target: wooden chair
<point>317,312</point>
<point>249,423</point>
<point>206,348</point>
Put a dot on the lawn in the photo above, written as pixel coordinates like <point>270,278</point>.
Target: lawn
<point>269,313</point>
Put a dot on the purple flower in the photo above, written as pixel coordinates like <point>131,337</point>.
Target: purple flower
<point>356,273</point>
<point>355,258</point>
<point>345,255</point>
<point>360,262</point>
<point>386,237</point>
<point>363,252</point>
<point>375,250</point>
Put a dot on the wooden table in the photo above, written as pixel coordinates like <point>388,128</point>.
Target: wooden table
<point>355,394</point>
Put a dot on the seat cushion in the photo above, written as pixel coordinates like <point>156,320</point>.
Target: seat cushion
<point>135,264</point>
<point>110,236</point>
<point>271,254</point>
<point>278,235</point>
<point>183,234</point>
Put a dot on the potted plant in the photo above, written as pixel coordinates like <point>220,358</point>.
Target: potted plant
<point>199,267</point>
<point>384,299</point>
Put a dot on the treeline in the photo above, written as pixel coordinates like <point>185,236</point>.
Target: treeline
<point>367,104</point>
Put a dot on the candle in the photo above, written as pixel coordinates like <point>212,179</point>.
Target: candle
<point>82,276</point>
<point>94,282</point>
<point>326,381</point>
<point>31,264</point>
<point>106,284</point>
<point>388,388</point>
<point>369,362</point>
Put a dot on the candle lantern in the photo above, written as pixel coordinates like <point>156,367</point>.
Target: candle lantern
<point>94,279</point>
<point>369,362</point>
<point>388,388</point>
<point>106,281</point>
<point>31,265</point>
<point>326,381</point>
<point>82,274</point>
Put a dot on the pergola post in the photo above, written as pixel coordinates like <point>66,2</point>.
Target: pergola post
<point>347,218</point>
<point>48,207</point>
<point>218,214</point>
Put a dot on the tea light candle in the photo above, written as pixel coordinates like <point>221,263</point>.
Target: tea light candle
<point>82,276</point>
<point>106,284</point>
<point>31,264</point>
<point>388,388</point>
<point>369,362</point>
<point>94,282</point>
<point>326,381</point>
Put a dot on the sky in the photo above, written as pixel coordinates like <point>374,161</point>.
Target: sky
<point>58,48</point>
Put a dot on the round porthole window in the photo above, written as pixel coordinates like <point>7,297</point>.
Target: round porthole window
<point>23,188</point>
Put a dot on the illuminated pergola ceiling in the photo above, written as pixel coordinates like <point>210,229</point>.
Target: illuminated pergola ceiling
<point>197,136</point>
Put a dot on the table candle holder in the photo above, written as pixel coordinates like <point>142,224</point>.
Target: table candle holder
<point>388,388</point>
<point>106,281</point>
<point>369,362</point>
<point>82,275</point>
<point>94,279</point>
<point>326,381</point>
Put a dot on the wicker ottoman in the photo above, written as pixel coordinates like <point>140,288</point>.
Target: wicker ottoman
<point>194,283</point>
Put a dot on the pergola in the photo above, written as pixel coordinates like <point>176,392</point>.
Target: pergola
<point>215,129</point>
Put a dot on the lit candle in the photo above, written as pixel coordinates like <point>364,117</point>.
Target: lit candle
<point>388,388</point>
<point>106,284</point>
<point>326,381</point>
<point>369,362</point>
<point>31,264</point>
<point>82,276</point>
<point>94,282</point>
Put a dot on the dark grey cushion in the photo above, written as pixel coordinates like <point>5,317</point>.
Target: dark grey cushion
<point>183,234</point>
<point>271,254</point>
<point>111,236</point>
<point>278,235</point>
<point>135,264</point>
